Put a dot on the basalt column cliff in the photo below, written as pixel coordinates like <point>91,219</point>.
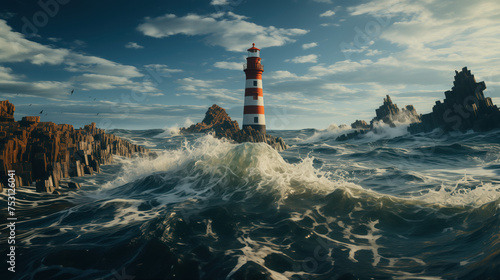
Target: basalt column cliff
<point>45,152</point>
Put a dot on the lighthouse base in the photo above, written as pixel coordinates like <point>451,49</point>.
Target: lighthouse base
<point>259,128</point>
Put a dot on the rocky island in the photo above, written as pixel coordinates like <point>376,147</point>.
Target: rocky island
<point>218,122</point>
<point>388,113</point>
<point>44,152</point>
<point>464,108</point>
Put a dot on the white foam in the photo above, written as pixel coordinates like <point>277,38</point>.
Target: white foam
<point>168,132</point>
<point>467,191</point>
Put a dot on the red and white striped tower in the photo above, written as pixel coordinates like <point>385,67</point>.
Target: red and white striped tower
<point>253,112</point>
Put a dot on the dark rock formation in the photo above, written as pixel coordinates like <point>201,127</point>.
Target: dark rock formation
<point>218,122</point>
<point>388,113</point>
<point>45,152</point>
<point>463,108</point>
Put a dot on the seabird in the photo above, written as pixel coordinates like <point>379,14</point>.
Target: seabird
<point>73,90</point>
<point>41,112</point>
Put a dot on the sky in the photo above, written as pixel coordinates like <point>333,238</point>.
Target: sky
<point>161,64</point>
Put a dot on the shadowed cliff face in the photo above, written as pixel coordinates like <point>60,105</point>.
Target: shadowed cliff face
<point>45,152</point>
<point>218,121</point>
<point>463,108</point>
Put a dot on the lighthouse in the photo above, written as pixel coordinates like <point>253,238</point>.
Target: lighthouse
<point>253,112</point>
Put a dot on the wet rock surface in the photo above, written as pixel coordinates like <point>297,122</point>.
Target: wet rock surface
<point>218,122</point>
<point>388,113</point>
<point>44,152</point>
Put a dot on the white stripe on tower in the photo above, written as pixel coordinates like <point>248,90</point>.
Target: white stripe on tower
<point>253,113</point>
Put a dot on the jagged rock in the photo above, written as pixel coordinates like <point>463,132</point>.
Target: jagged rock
<point>359,124</point>
<point>218,121</point>
<point>463,108</point>
<point>45,152</point>
<point>7,111</point>
<point>388,113</point>
<point>251,135</point>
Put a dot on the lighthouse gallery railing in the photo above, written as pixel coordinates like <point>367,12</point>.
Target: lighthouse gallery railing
<point>257,66</point>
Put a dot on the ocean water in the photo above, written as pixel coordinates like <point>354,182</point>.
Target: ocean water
<point>386,206</point>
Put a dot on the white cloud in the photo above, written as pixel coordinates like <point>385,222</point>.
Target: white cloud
<point>193,83</point>
<point>312,58</point>
<point>328,13</point>
<point>337,88</point>
<point>281,75</point>
<point>133,45</point>
<point>229,65</point>
<point>219,2</point>
<point>37,88</point>
<point>229,31</point>
<point>162,68</point>
<point>15,48</point>
<point>433,39</point>
<point>310,45</point>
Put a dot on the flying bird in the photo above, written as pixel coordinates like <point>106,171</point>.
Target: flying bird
<point>41,112</point>
<point>73,90</point>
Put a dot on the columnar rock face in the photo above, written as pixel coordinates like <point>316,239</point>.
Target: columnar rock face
<point>6,111</point>
<point>463,108</point>
<point>45,152</point>
<point>218,121</point>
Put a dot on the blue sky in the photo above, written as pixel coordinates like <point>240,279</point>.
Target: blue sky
<point>157,64</point>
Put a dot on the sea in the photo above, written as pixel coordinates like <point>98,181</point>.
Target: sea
<point>388,205</point>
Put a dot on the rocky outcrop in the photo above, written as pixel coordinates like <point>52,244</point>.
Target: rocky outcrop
<point>45,152</point>
<point>217,121</point>
<point>463,108</point>
<point>388,113</point>
<point>358,124</point>
<point>6,111</point>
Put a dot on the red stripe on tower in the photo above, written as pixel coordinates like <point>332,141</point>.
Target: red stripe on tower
<point>253,112</point>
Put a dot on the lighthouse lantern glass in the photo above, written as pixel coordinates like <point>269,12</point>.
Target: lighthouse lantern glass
<point>254,53</point>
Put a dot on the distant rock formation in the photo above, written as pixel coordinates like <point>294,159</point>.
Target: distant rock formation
<point>218,121</point>
<point>388,113</point>
<point>45,152</point>
<point>463,108</point>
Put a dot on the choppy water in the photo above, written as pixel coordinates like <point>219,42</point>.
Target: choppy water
<point>386,206</point>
